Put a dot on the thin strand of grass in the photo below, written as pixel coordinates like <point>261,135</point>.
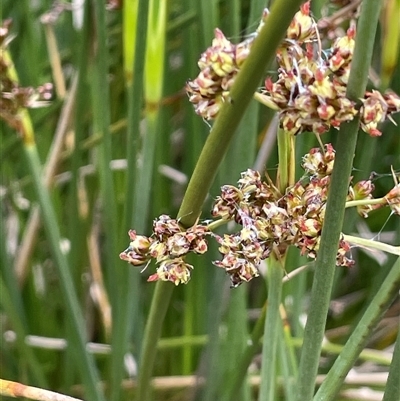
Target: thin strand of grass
<point>392,390</point>
<point>246,83</point>
<point>17,322</point>
<point>25,249</point>
<point>271,331</point>
<point>337,373</point>
<point>101,119</point>
<point>325,263</point>
<point>129,319</point>
<point>78,339</point>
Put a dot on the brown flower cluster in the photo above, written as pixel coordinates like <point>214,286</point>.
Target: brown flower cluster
<point>13,97</point>
<point>310,90</point>
<point>219,65</point>
<point>270,222</point>
<point>167,246</point>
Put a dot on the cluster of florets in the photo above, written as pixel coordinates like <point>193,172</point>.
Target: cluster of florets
<point>12,96</point>
<point>168,246</point>
<point>219,65</point>
<point>311,94</point>
<point>310,91</point>
<point>270,222</point>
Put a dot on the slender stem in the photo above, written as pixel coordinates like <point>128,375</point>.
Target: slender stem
<point>158,309</point>
<point>392,391</point>
<point>325,264</point>
<point>364,202</point>
<point>78,335</point>
<point>336,375</point>
<point>74,314</point>
<point>367,243</point>
<point>272,329</point>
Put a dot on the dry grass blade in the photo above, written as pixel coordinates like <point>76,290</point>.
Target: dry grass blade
<point>15,389</point>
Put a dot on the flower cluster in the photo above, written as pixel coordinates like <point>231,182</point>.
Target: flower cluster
<point>310,90</point>
<point>270,222</point>
<point>12,96</point>
<point>377,108</point>
<point>219,65</point>
<point>167,246</point>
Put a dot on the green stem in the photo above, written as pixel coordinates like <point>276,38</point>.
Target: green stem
<point>129,318</point>
<point>336,375</point>
<point>74,314</point>
<point>367,243</point>
<point>271,330</point>
<point>392,391</point>
<point>235,383</point>
<point>246,83</point>
<point>325,264</point>
<point>158,309</point>
<point>366,202</point>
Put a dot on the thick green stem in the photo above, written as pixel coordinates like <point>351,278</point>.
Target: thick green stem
<point>354,345</point>
<point>325,264</point>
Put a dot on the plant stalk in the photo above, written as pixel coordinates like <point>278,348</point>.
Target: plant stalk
<point>326,259</point>
<point>246,83</point>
